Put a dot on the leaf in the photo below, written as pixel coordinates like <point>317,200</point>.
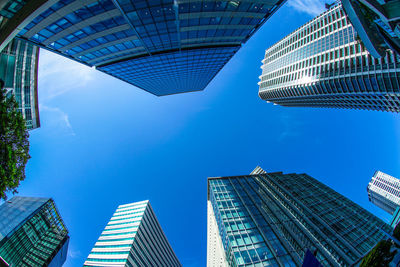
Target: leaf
<point>14,145</point>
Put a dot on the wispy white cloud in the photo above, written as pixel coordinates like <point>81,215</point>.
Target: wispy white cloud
<point>58,75</point>
<point>311,7</point>
<point>291,126</point>
<point>57,118</point>
<point>72,253</point>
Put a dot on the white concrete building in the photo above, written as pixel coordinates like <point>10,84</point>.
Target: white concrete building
<point>215,249</point>
<point>384,191</point>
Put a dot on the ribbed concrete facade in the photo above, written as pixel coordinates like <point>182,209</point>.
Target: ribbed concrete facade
<point>215,249</point>
<point>323,64</point>
<point>132,237</point>
<point>384,191</point>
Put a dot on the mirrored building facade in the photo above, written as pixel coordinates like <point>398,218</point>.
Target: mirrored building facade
<point>324,64</point>
<point>132,237</point>
<point>272,219</point>
<point>377,24</point>
<point>32,233</point>
<point>162,46</point>
<point>19,71</point>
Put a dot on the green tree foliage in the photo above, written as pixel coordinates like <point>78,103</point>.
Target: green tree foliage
<point>14,144</point>
<point>379,256</point>
<point>396,232</point>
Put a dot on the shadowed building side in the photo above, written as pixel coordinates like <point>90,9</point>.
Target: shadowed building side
<point>377,23</point>
<point>172,72</point>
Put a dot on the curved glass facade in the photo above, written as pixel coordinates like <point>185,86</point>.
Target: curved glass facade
<point>141,41</point>
<point>323,64</point>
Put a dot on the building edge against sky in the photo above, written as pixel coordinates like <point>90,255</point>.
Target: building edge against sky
<point>323,64</point>
<point>133,237</point>
<point>32,233</point>
<point>19,71</point>
<point>270,218</point>
<point>163,47</point>
<point>215,248</point>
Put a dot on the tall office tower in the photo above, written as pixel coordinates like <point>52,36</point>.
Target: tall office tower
<point>132,237</point>
<point>19,71</point>
<point>274,218</point>
<point>377,23</point>
<point>384,191</point>
<point>32,233</point>
<point>163,47</point>
<point>323,64</point>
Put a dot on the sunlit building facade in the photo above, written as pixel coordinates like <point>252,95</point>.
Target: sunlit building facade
<point>272,219</point>
<point>164,47</point>
<point>384,191</point>
<point>19,71</point>
<point>323,64</point>
<point>132,237</point>
<point>32,233</point>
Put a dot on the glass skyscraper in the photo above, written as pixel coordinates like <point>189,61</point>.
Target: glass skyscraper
<point>132,237</point>
<point>164,47</point>
<point>384,191</point>
<point>376,22</point>
<point>272,219</point>
<point>32,233</point>
<point>19,71</point>
<point>324,64</point>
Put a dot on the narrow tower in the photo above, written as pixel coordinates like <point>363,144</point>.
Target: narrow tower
<point>384,191</point>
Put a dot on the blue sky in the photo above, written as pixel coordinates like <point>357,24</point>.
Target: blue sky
<point>104,142</point>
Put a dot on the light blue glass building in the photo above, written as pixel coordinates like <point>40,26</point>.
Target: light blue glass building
<point>272,219</point>
<point>324,64</point>
<point>132,237</point>
<point>162,46</point>
<point>32,233</point>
